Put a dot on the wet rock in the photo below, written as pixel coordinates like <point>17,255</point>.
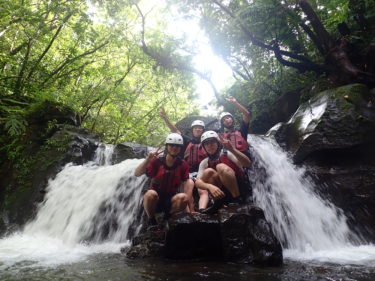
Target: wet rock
<point>147,244</point>
<point>268,115</point>
<point>247,237</point>
<point>239,234</point>
<point>128,150</point>
<point>193,236</point>
<point>334,119</point>
<point>48,146</point>
<point>333,136</point>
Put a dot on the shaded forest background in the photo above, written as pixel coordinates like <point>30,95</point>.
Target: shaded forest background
<point>102,59</point>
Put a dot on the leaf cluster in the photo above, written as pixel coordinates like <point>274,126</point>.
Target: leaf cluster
<point>87,55</point>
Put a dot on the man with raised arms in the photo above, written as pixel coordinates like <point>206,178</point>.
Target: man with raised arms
<point>237,136</point>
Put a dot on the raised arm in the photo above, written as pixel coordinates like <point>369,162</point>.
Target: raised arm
<point>171,126</point>
<point>141,169</point>
<point>245,113</point>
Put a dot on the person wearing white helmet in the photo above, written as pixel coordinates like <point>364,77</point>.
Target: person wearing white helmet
<point>222,171</point>
<point>193,155</point>
<point>167,173</point>
<point>237,137</point>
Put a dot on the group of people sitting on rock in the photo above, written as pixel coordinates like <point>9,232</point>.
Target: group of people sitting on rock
<point>212,162</point>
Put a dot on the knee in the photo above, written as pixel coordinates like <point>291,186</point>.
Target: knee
<point>223,169</point>
<point>190,184</point>
<point>208,173</point>
<point>181,198</point>
<point>151,195</point>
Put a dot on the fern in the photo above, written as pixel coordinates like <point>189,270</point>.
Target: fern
<point>15,126</point>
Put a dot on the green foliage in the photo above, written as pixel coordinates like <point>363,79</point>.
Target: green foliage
<point>87,55</point>
<point>15,126</point>
<point>234,27</point>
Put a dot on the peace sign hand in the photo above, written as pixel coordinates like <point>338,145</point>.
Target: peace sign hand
<point>154,154</point>
<point>226,143</point>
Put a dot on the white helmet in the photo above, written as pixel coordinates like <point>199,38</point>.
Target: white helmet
<point>209,135</point>
<point>197,123</point>
<point>224,114</point>
<point>174,138</point>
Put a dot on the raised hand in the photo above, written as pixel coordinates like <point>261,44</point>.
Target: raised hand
<point>154,154</point>
<point>162,112</point>
<point>226,143</point>
<point>231,99</point>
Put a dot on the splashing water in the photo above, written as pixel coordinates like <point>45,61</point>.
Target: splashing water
<point>80,202</point>
<point>300,218</point>
<point>99,204</point>
<point>308,226</point>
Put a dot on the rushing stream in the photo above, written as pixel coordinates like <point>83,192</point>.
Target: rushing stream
<point>97,202</point>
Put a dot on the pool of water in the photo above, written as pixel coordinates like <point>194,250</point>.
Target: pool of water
<point>114,267</point>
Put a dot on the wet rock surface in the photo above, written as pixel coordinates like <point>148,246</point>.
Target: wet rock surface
<point>333,136</point>
<point>238,234</point>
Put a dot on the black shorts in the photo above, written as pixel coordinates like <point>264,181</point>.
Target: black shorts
<point>165,203</point>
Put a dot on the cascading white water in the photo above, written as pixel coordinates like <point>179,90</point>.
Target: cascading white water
<point>80,202</point>
<point>309,227</point>
<point>300,218</point>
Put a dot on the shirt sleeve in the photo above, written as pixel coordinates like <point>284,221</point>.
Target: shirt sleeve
<point>152,168</point>
<point>244,129</point>
<point>184,171</point>
<point>202,166</point>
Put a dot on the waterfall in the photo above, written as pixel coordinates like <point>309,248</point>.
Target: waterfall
<point>300,218</point>
<point>79,194</point>
<point>92,208</point>
<point>87,209</point>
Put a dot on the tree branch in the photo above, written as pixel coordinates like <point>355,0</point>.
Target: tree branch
<point>68,61</point>
<point>49,45</point>
<point>305,63</point>
<point>168,63</point>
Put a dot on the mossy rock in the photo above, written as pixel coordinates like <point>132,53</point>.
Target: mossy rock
<point>334,119</point>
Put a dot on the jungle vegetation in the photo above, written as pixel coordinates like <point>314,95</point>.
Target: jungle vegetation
<point>103,59</point>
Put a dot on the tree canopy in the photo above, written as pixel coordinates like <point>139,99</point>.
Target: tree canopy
<point>105,60</point>
<point>276,46</point>
<point>88,55</point>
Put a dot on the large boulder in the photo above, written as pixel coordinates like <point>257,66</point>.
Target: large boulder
<point>239,234</point>
<point>334,119</point>
<point>333,136</point>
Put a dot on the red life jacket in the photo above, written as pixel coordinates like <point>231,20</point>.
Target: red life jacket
<point>194,154</point>
<point>237,140</point>
<point>167,180</point>
<point>223,158</point>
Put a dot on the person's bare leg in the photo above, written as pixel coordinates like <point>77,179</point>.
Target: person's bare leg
<point>203,199</point>
<point>150,202</point>
<point>188,190</point>
<point>211,176</point>
<point>179,202</point>
<point>228,179</point>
